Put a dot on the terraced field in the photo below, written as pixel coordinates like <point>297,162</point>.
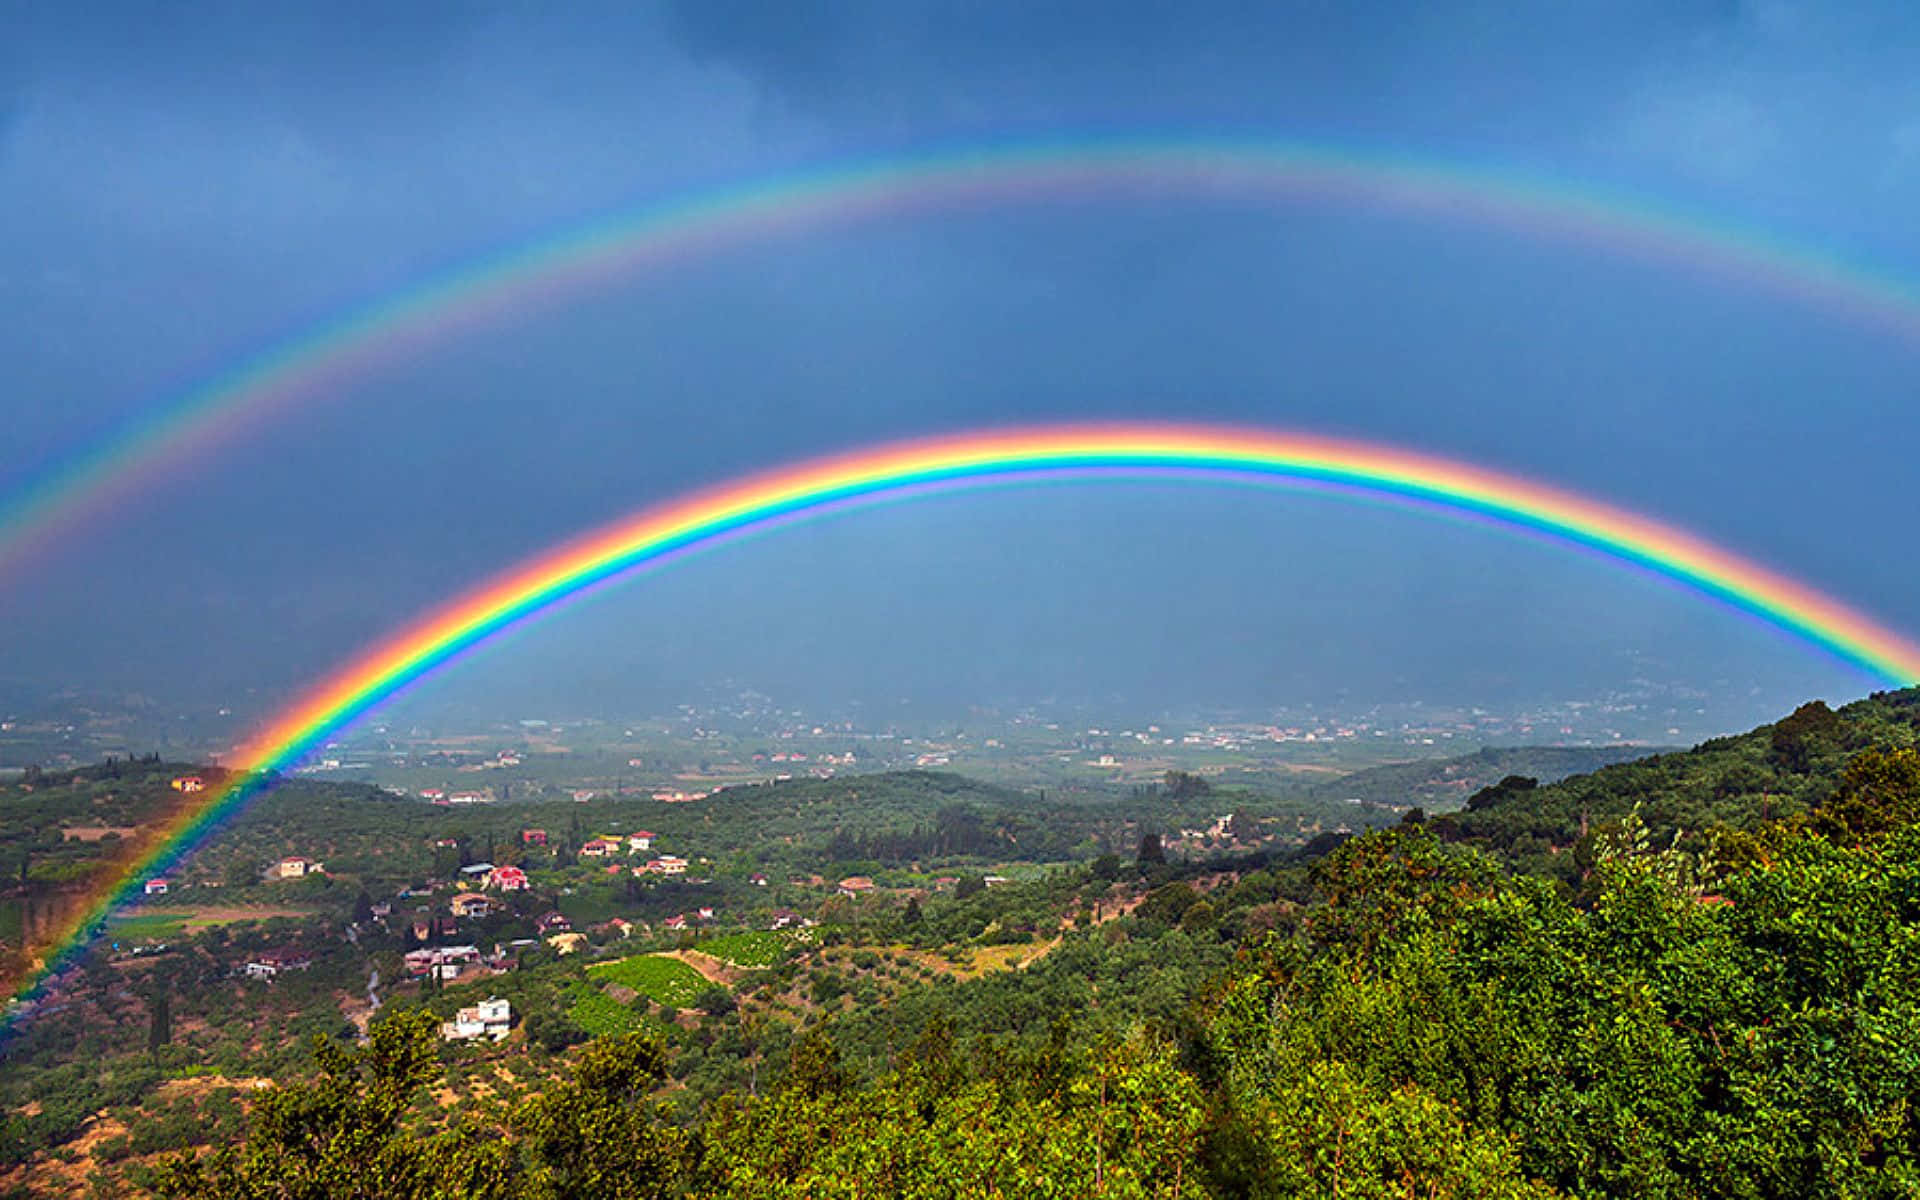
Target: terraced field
<point>600,1014</point>
<point>658,978</point>
<point>751,950</point>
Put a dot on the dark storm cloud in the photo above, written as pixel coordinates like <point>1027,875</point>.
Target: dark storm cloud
<point>1801,112</point>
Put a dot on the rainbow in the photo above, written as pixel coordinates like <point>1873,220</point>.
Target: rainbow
<point>325,360</point>
<point>657,536</point>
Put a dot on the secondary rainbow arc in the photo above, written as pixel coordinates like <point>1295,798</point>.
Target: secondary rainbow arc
<point>326,359</point>
<point>708,518</point>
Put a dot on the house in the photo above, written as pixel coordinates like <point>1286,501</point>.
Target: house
<point>156,887</point>
<point>704,912</point>
<point>856,885</point>
<point>993,880</point>
<point>552,922</point>
<point>434,794</point>
<point>533,837</point>
<point>621,926</point>
<point>492,1018</point>
<point>567,943</point>
<point>637,842</point>
<point>189,783</point>
<point>470,798</point>
<point>757,879</point>
<point>677,921</point>
<point>470,904</point>
<point>294,867</point>
<point>599,847</point>
<point>582,795</point>
<point>270,963</point>
<point>786,918</point>
<point>668,864</point>
<point>508,879</point>
<point>476,872</point>
<point>442,961</point>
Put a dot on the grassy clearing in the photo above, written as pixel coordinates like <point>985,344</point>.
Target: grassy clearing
<point>753,951</point>
<point>147,927</point>
<point>660,979</point>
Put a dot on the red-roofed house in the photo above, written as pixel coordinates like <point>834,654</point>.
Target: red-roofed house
<point>508,879</point>
<point>599,848</point>
<point>156,887</point>
<point>640,841</point>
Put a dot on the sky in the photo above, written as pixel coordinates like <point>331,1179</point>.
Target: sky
<point>181,186</point>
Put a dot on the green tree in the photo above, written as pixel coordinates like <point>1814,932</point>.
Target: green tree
<point>1878,792</point>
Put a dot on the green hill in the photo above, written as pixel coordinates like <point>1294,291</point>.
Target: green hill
<point>1777,771</point>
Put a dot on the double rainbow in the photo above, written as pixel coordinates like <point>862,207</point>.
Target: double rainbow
<point>658,536</point>
<point>325,360</point>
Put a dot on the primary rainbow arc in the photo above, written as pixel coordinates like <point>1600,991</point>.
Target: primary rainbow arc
<point>709,518</point>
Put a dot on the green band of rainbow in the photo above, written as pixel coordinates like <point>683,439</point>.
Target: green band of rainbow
<point>711,517</point>
<point>325,360</point>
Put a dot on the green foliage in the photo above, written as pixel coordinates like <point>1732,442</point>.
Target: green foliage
<point>340,1135</point>
<point>1878,792</point>
<point>1126,1124</point>
<point>1654,1042</point>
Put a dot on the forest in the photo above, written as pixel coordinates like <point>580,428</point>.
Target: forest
<point>1694,975</point>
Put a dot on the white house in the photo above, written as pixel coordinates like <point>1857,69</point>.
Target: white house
<point>294,867</point>
<point>491,1018</point>
<point>270,963</point>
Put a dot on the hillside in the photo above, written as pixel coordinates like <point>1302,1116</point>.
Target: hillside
<point>1536,996</point>
<point>1776,771</point>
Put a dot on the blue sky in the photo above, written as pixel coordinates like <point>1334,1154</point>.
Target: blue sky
<point>182,184</point>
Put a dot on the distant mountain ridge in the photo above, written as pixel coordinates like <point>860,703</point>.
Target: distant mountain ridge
<point>1443,784</point>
